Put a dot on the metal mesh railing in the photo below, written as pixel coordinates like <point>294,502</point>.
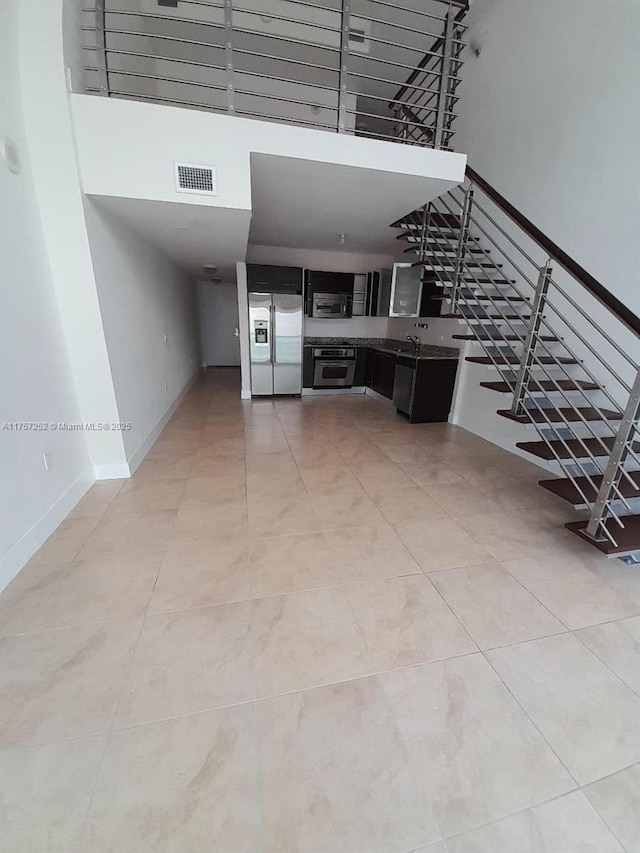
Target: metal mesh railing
<point>335,65</point>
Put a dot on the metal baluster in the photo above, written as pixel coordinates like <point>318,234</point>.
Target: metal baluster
<point>528,354</point>
<point>344,68</point>
<point>465,218</point>
<point>445,70</point>
<point>424,232</point>
<point>101,49</point>
<point>228,55</point>
<point>613,472</point>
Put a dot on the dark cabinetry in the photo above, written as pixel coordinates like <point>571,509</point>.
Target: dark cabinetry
<point>380,372</point>
<point>264,278</point>
<point>307,367</point>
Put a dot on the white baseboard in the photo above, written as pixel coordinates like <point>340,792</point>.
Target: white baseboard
<point>112,471</point>
<point>136,458</point>
<point>245,394</point>
<point>22,551</point>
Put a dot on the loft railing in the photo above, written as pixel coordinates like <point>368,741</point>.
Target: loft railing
<point>576,344</point>
<point>333,65</point>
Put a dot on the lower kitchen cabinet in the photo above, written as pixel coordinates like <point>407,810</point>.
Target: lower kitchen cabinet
<point>381,370</point>
<point>307,367</point>
<point>430,392</point>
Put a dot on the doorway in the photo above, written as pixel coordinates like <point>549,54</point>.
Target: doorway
<point>218,304</point>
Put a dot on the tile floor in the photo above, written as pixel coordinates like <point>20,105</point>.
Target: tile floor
<point>308,627</point>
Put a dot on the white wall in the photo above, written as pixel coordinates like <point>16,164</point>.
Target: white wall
<point>548,115</point>
<point>36,379</point>
<point>57,186</point>
<point>545,116</point>
<point>143,297</point>
<point>151,136</point>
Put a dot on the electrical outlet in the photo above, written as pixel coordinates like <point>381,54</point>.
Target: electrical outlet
<point>45,461</point>
<point>166,338</point>
<point>166,385</point>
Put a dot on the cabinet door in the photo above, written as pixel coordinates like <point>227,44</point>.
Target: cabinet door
<point>406,291</point>
<point>384,374</point>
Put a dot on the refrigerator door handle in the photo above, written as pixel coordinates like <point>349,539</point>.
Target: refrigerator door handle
<point>272,333</point>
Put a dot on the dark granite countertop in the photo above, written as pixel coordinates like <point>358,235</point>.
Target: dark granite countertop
<point>388,345</point>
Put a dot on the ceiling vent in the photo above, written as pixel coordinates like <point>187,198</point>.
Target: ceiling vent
<point>196,179</point>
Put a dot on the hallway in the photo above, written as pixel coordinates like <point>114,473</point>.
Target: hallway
<point>305,626</point>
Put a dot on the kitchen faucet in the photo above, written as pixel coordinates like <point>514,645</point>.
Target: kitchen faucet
<point>415,340</point>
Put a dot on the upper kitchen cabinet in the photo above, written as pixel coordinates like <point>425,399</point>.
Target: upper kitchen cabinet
<point>406,291</point>
<point>265,278</point>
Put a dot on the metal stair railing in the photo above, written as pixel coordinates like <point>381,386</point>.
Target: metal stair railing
<point>327,65</point>
<point>552,305</point>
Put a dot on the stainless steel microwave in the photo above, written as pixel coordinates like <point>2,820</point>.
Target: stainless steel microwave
<point>334,306</point>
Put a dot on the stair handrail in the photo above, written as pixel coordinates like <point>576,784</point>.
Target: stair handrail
<point>621,311</point>
<point>588,281</point>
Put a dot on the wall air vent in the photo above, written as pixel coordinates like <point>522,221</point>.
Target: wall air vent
<point>196,179</point>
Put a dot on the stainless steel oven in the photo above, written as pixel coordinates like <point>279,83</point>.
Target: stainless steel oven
<point>336,306</point>
<point>333,367</point>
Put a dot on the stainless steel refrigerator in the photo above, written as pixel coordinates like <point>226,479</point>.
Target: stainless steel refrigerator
<point>275,337</point>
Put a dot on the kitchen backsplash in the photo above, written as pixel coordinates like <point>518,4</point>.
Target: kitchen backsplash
<point>356,327</point>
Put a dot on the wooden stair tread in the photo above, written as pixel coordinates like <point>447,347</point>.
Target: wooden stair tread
<point>542,385</point>
<point>574,449</point>
<point>499,338</point>
<point>589,413</point>
<point>627,537</point>
<point>470,317</point>
<point>515,359</point>
<point>565,489</point>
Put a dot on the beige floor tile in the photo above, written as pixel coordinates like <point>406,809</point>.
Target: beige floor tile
<point>214,493</point>
<point>290,564</point>
<point>80,593</point>
<point>494,608</point>
<point>180,786</point>
<point>386,475</point>
<point>348,509</point>
<point>330,480</point>
<point>566,825</point>
<point>406,504</point>
<point>280,488</point>
<point>165,467</point>
<point>406,622</point>
<point>63,684</point>
<point>148,495</point>
<point>225,471</point>
<point>367,553</point>
<point>345,782</point>
<point>306,639</point>
<point>96,501</point>
<point>66,541</point>
<point>478,754</point>
<point>618,645</point>
<point>203,575</point>
<point>585,712</point>
<point>430,473</point>
<point>135,534</point>
<point>441,543</point>
<point>617,799</point>
<point>504,535</point>
<point>278,516</point>
<point>45,793</point>
<point>573,593</point>
<point>460,498</point>
<point>188,661</point>
<point>196,529</point>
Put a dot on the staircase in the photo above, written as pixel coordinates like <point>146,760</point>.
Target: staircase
<point>561,350</point>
